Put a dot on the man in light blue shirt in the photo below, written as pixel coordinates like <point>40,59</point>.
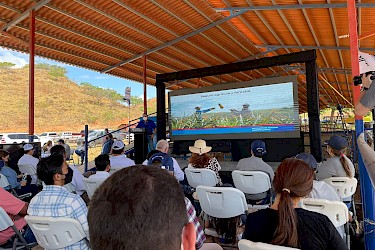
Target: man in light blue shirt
<point>55,201</point>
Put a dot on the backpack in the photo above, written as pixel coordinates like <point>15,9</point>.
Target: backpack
<point>161,159</point>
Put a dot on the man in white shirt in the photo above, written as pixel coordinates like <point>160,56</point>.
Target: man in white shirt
<point>163,146</point>
<point>118,159</point>
<point>29,159</point>
<point>103,166</point>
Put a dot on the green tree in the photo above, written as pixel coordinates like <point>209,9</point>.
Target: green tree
<point>6,65</point>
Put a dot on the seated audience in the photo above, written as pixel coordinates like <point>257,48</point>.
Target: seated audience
<point>107,146</point>
<point>103,166</point>
<point>80,151</point>
<point>55,201</point>
<point>116,212</point>
<point>29,159</point>
<point>77,180</point>
<point>163,146</point>
<point>228,229</point>
<point>16,209</point>
<point>200,159</point>
<point>337,165</point>
<point>19,183</point>
<point>256,163</point>
<point>118,159</point>
<point>67,148</point>
<point>321,189</point>
<point>192,217</point>
<point>284,223</point>
<point>47,147</point>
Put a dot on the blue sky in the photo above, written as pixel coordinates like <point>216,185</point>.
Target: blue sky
<point>79,75</point>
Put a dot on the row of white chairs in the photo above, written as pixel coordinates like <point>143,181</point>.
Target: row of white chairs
<point>227,202</point>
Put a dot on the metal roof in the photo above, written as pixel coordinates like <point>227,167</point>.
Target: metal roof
<point>112,36</point>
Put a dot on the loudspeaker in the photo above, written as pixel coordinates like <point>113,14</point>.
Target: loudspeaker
<point>140,147</point>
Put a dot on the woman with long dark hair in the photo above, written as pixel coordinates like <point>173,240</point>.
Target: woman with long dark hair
<point>284,223</point>
<point>338,164</point>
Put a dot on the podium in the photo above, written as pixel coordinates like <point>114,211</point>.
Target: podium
<point>140,144</point>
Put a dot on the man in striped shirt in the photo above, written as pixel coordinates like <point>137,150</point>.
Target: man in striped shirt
<point>55,201</point>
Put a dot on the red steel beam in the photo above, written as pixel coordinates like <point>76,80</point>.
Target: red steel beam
<point>31,72</point>
<point>367,190</point>
<point>144,85</point>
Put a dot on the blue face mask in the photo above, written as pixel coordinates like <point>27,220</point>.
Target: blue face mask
<point>300,204</point>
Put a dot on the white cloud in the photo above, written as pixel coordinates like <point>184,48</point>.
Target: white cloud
<point>84,76</point>
<point>101,78</point>
<point>13,57</point>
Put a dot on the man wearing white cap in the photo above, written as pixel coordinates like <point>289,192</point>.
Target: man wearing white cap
<point>118,159</point>
<point>29,159</point>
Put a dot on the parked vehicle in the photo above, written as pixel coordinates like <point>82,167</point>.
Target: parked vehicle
<point>47,136</point>
<point>8,138</point>
<point>70,135</point>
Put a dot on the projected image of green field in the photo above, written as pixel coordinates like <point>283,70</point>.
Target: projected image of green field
<point>235,119</point>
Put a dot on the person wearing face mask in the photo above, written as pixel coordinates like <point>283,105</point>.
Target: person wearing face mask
<point>150,128</point>
<point>55,201</point>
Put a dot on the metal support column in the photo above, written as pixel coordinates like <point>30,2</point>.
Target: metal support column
<point>313,109</point>
<point>31,75</point>
<point>160,109</point>
<point>367,191</point>
<point>144,85</point>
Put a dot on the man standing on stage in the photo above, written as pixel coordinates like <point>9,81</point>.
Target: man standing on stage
<point>150,128</point>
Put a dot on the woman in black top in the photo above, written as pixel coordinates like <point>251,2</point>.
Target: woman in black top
<point>284,223</point>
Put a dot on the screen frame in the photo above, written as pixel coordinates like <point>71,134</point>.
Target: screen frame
<point>232,86</point>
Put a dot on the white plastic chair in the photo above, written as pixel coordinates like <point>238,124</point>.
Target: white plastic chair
<point>252,182</point>
<point>55,233</point>
<point>250,245</point>
<point>346,188</point>
<point>91,185</point>
<point>30,170</point>
<point>201,176</point>
<point>3,181</point>
<point>336,211</point>
<point>221,202</point>
<point>5,223</point>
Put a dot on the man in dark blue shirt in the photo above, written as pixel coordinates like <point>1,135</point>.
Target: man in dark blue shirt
<point>150,127</point>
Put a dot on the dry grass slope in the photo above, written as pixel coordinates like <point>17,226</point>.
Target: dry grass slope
<point>60,104</point>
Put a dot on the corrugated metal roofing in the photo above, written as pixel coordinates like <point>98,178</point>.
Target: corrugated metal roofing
<point>98,34</point>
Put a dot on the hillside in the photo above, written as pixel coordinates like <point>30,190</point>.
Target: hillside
<point>60,104</point>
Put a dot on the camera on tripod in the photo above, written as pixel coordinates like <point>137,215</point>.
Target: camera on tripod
<point>357,80</point>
